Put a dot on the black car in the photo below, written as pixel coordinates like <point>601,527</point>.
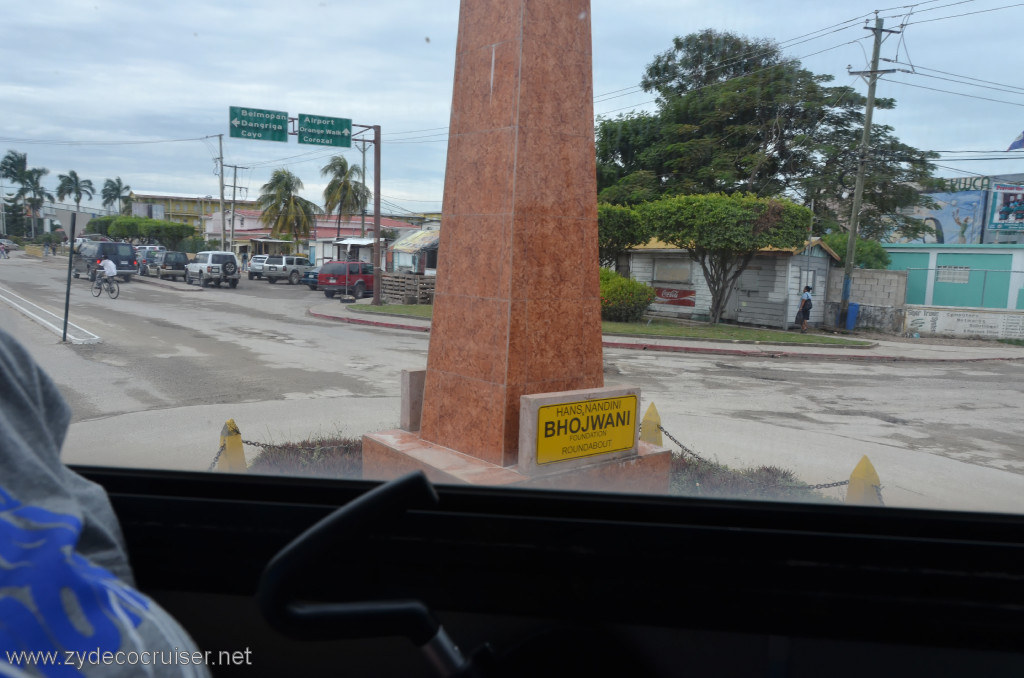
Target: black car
<point>168,265</point>
<point>90,253</point>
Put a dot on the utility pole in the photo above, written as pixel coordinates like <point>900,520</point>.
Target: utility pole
<point>376,207</point>
<point>220,160</point>
<point>376,216</point>
<point>862,160</point>
<point>362,230</point>
<point>234,188</point>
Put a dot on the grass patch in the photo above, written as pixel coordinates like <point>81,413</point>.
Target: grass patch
<point>320,457</point>
<point>413,310</point>
<point>691,477</point>
<point>660,328</point>
<point>721,332</point>
<point>1011,342</point>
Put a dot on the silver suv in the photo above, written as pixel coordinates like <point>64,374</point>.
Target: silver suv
<point>256,265</point>
<point>213,267</point>
<point>285,266</point>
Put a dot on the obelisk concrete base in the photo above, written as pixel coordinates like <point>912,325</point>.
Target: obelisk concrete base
<point>390,454</point>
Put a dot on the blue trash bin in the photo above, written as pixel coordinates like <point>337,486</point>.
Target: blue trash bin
<point>851,315</point>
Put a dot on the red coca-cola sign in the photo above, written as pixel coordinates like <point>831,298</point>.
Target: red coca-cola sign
<point>675,297</point>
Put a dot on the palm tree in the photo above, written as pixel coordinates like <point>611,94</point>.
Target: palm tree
<point>34,194</point>
<point>115,191</point>
<point>284,211</point>
<point>14,166</point>
<point>345,191</point>
<point>71,185</point>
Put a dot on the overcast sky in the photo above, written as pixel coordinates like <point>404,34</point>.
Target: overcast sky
<point>84,83</point>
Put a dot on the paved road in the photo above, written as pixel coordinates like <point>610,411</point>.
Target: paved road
<point>175,362</point>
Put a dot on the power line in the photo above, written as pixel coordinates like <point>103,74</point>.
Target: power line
<point>913,9</point>
<point>955,75</point>
<point>957,16</point>
<point>52,142</point>
<point>946,91</point>
<point>969,84</point>
<point>926,2</point>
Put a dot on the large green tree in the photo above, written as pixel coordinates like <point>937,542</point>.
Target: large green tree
<point>114,190</point>
<point>867,253</point>
<point>724,232</point>
<point>284,210</point>
<point>619,229</point>
<point>735,115</point>
<point>345,193</point>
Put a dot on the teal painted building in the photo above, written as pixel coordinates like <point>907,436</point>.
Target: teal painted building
<point>962,276</point>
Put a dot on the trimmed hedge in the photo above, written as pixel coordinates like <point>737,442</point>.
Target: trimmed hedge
<point>623,299</point>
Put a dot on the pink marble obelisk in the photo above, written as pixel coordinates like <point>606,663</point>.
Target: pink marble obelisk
<point>517,307</point>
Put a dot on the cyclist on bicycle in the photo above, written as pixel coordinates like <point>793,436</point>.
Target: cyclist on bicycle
<point>109,268</point>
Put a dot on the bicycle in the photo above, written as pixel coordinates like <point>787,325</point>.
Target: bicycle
<point>113,289</point>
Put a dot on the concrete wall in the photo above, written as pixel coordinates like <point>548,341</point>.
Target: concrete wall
<point>880,294</point>
<point>970,323</point>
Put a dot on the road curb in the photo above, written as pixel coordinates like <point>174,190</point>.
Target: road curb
<point>701,350</point>
<point>371,323</point>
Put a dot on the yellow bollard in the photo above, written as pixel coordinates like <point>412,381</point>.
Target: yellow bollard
<point>230,456</point>
<point>650,427</point>
<point>865,487</point>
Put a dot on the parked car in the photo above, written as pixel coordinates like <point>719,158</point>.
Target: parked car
<point>347,277</point>
<point>140,249</point>
<point>287,267</point>
<point>168,265</point>
<point>90,253</point>
<point>11,245</point>
<point>213,267</point>
<point>256,266</point>
<point>309,278</point>
<point>145,258</point>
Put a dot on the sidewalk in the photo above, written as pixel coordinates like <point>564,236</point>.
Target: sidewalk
<point>919,350</point>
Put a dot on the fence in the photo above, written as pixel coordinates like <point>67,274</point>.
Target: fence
<point>407,288</point>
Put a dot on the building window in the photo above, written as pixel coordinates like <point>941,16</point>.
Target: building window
<point>953,274</point>
<point>672,270</point>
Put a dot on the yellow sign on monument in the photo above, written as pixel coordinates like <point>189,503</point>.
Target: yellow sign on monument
<point>581,429</point>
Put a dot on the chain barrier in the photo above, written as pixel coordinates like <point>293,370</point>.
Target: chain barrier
<point>318,448</point>
<point>718,469</point>
<point>220,451</point>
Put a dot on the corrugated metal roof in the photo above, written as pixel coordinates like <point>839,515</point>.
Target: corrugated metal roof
<point>417,241</point>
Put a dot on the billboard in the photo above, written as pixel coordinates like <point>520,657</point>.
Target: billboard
<point>1006,207</point>
<point>957,217</point>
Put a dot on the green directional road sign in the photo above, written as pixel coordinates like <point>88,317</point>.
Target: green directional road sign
<point>323,131</point>
<point>256,123</point>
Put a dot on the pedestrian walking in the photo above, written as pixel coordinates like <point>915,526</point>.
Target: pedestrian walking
<point>245,261</point>
<point>3,251</point>
<point>803,313</point>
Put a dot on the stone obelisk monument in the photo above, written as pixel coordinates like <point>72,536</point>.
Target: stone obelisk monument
<point>517,300</point>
